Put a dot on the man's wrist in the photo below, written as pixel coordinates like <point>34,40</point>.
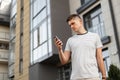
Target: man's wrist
<point>104,77</point>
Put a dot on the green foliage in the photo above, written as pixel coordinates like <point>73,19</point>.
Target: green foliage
<point>113,73</point>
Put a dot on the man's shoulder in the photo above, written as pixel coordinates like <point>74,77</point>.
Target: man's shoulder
<point>72,37</point>
<point>92,33</point>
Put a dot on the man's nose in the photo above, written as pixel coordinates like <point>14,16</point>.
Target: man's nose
<point>72,26</point>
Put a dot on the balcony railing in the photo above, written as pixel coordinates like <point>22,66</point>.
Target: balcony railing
<point>4,55</point>
<point>4,35</point>
<point>3,76</point>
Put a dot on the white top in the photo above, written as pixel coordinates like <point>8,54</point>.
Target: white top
<point>83,55</point>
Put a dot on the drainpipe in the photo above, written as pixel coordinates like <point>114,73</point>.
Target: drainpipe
<point>114,26</point>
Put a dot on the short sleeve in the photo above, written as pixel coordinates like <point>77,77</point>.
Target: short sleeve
<point>67,47</point>
<point>98,42</point>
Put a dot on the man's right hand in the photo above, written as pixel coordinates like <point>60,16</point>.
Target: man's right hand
<point>58,43</point>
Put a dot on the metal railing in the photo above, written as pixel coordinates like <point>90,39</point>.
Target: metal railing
<point>3,76</point>
<point>4,35</point>
<point>4,54</point>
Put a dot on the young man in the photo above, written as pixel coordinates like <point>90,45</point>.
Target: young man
<point>85,51</point>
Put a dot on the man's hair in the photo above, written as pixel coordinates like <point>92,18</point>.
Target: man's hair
<point>72,16</point>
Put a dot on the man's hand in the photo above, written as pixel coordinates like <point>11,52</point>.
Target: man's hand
<point>104,78</point>
<point>58,43</point>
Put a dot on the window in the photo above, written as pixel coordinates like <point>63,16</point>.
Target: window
<point>4,46</point>
<point>64,72</point>
<point>93,21</point>
<point>84,1</point>
<point>13,8</point>
<point>40,30</point>
<point>21,38</point>
<point>107,62</point>
<point>21,66</point>
<point>13,19</point>
<point>12,51</point>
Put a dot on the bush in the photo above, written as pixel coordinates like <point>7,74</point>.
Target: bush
<point>113,73</point>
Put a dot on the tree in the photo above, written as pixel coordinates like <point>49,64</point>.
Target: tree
<point>113,73</point>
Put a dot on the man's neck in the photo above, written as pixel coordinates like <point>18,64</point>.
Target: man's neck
<point>82,31</point>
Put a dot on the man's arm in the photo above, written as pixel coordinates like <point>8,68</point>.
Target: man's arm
<point>64,56</point>
<point>100,61</point>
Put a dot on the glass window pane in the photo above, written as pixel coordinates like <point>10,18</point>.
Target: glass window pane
<point>13,1</point>
<point>49,28</point>
<point>40,52</point>
<point>35,54</point>
<point>95,13</point>
<point>43,32</point>
<point>39,18</point>
<point>101,19</point>
<point>44,49</point>
<point>84,1</point>
<point>38,5</point>
<point>35,38</point>
<point>50,45</point>
<point>13,10</point>
<point>35,7</point>
<point>48,6</point>
<point>12,51</point>
<point>95,21</point>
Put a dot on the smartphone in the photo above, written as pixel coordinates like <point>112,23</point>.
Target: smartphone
<point>56,38</point>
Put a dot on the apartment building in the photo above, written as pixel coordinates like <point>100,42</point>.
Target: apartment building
<point>4,39</point>
<point>4,51</point>
<point>34,23</point>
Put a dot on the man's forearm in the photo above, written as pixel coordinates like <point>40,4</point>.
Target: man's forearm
<point>102,69</point>
<point>62,56</point>
<point>101,63</point>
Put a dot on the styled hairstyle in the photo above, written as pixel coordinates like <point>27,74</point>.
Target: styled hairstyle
<point>72,16</point>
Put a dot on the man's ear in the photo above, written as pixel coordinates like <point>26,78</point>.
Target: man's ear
<point>81,21</point>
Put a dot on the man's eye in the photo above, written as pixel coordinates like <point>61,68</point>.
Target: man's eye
<point>72,23</point>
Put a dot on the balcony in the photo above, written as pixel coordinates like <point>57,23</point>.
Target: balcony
<point>4,36</point>
<point>4,56</point>
<point>5,12</point>
<point>3,76</point>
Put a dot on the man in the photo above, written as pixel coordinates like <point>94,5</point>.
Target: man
<point>85,51</point>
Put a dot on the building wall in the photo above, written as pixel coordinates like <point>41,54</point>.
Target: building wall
<point>116,8</point>
<point>117,15</point>
<point>74,6</point>
<point>110,31</point>
<point>3,68</point>
<point>4,28</point>
<point>26,41</point>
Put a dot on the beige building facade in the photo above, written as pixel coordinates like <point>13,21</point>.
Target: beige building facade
<point>22,41</point>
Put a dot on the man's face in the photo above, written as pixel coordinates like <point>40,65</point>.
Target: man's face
<point>75,24</point>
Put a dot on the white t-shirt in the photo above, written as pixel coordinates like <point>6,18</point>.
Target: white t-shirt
<point>83,55</point>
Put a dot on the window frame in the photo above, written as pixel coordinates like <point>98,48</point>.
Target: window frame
<point>45,20</point>
<point>89,25</point>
